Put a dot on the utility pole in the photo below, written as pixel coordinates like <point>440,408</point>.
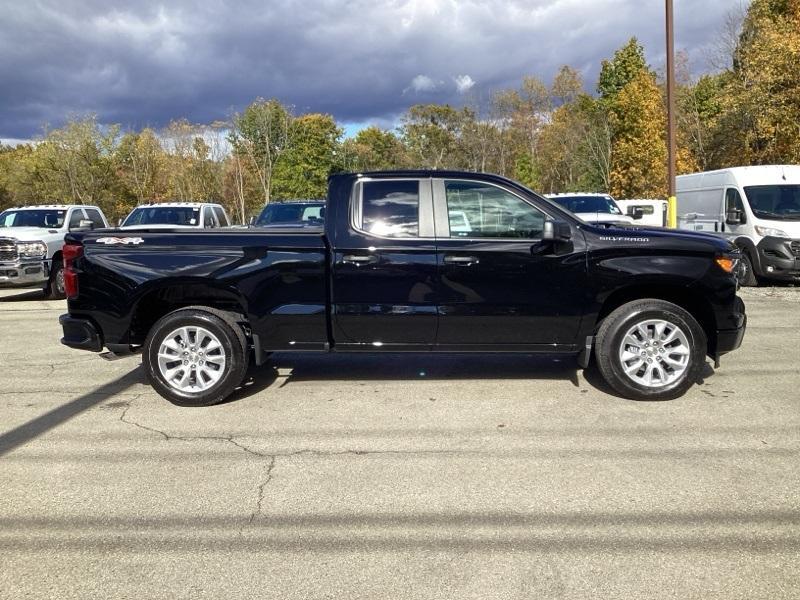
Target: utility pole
<point>672,202</point>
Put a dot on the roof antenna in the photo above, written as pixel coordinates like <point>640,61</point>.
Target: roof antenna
<point>783,172</point>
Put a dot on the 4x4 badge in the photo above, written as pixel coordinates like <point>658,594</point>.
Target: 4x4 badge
<point>111,241</point>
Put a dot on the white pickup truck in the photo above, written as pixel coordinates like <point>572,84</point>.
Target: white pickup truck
<point>594,208</point>
<point>31,238</point>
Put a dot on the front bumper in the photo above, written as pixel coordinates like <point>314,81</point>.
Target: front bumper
<point>80,334</point>
<point>729,340</point>
<point>779,258</point>
<point>20,273</point>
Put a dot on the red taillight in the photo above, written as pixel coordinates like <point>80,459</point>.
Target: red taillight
<point>70,252</point>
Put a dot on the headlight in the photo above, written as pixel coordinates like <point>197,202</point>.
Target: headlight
<point>32,249</point>
<point>770,231</point>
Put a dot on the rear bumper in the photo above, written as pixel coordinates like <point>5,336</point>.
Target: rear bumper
<point>24,274</point>
<point>80,334</point>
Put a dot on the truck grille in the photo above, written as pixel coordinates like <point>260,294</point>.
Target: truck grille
<point>8,249</point>
<point>795,246</point>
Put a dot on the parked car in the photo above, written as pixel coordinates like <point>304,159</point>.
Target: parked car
<point>758,208</point>
<point>388,274</point>
<point>177,215</point>
<point>302,212</point>
<point>653,211</point>
<point>31,238</point>
<point>594,208</point>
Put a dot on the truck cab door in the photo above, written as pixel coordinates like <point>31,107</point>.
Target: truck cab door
<point>384,267</point>
<point>501,286</point>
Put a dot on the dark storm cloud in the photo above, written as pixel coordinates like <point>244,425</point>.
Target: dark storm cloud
<point>144,63</point>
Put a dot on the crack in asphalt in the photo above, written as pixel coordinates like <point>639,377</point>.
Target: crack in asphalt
<point>273,457</point>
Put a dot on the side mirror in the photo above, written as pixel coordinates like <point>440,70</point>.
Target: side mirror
<point>734,217</point>
<point>83,225</point>
<point>556,231</point>
<point>637,213</point>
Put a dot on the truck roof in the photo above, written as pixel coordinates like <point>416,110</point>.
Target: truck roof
<point>56,206</point>
<point>574,194</point>
<point>169,204</point>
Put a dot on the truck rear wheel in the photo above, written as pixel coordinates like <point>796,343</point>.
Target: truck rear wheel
<point>196,356</point>
<point>650,350</point>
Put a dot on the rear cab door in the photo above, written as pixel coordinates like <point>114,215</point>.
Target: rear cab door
<point>384,273</point>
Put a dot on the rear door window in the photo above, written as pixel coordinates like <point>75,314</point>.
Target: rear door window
<point>390,208</point>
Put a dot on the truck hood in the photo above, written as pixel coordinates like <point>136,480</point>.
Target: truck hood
<point>32,234</point>
<point>662,237</point>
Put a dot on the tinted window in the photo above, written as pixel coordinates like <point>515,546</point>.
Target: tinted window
<point>221,218</point>
<point>94,216</point>
<point>483,211</point>
<point>75,219</point>
<point>588,204</point>
<point>291,213</point>
<point>390,208</point>
<point>210,218</point>
<point>156,215</point>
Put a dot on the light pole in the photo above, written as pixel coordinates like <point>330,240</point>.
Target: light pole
<point>672,208</point>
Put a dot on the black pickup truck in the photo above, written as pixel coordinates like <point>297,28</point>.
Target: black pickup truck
<point>408,262</point>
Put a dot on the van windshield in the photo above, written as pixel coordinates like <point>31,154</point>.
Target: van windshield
<point>775,201</point>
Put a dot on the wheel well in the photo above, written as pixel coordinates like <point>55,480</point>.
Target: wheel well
<point>693,303</point>
<point>158,303</point>
<point>55,259</point>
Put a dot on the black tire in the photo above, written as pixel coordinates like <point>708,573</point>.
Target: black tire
<point>54,290</point>
<point>221,324</point>
<point>609,343</point>
<point>747,275</point>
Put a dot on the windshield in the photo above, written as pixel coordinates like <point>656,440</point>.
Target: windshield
<point>291,213</point>
<point>52,219</point>
<point>164,215</point>
<point>774,201</point>
<point>588,204</point>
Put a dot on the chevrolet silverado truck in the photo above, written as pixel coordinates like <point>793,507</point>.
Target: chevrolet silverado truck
<point>412,261</point>
<point>31,238</point>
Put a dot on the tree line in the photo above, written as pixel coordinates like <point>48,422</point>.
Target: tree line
<point>553,138</point>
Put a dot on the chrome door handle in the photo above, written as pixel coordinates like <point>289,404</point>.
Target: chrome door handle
<point>465,261</point>
<point>358,259</point>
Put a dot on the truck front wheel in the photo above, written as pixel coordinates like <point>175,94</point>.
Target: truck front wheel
<point>54,290</point>
<point>650,350</point>
<point>195,356</point>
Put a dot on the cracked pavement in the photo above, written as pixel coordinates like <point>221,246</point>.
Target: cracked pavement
<point>398,476</point>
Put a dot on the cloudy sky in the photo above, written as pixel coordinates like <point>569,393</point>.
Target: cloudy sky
<point>142,62</point>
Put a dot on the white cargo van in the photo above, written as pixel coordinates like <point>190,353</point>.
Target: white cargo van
<point>758,208</point>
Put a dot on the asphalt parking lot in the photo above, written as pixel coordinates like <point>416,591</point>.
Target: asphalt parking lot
<point>398,477</point>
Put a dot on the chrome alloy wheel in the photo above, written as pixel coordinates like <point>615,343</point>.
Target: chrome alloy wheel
<point>191,359</point>
<point>654,353</point>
